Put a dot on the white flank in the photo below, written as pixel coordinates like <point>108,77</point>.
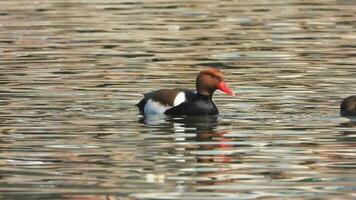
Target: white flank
<point>180,98</point>
<point>153,107</point>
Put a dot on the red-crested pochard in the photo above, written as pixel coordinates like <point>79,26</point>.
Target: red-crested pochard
<point>184,101</point>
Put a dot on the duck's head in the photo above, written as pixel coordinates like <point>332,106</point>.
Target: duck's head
<point>348,106</point>
<point>210,80</point>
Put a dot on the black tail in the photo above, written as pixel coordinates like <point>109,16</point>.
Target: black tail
<point>141,105</point>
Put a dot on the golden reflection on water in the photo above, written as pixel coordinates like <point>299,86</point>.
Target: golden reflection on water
<point>71,72</point>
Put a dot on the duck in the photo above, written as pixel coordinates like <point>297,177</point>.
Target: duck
<point>180,101</point>
<point>348,107</point>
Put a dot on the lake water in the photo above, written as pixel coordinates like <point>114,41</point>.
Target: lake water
<point>72,70</point>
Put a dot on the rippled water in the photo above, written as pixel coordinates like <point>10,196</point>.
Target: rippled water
<point>71,72</point>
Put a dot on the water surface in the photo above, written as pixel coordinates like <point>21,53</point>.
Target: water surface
<point>71,72</point>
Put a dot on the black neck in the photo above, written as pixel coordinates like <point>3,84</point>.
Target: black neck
<point>204,96</point>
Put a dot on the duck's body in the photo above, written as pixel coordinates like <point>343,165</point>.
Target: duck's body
<point>348,106</point>
<point>184,101</point>
<point>177,102</point>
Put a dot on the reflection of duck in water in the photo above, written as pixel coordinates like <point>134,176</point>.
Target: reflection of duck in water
<point>348,107</point>
<point>187,102</point>
<point>185,122</point>
<point>209,138</point>
<point>201,131</point>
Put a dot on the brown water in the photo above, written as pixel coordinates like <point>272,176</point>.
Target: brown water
<point>71,72</point>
